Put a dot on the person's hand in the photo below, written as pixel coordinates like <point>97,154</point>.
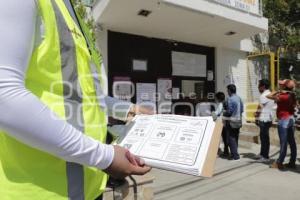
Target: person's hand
<point>273,95</point>
<point>125,164</point>
<point>257,122</point>
<point>138,110</point>
<point>257,114</point>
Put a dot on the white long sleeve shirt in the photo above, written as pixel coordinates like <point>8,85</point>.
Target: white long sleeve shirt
<point>22,115</point>
<point>268,107</point>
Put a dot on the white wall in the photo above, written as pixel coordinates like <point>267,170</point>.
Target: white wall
<point>101,35</point>
<point>102,44</point>
<point>214,9</point>
<point>233,65</point>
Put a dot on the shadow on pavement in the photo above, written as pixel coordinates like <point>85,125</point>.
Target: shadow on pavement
<point>272,159</point>
<point>296,170</point>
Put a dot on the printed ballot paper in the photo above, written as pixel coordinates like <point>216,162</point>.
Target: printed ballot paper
<point>172,142</point>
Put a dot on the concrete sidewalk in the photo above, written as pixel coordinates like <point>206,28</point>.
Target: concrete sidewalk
<point>233,180</point>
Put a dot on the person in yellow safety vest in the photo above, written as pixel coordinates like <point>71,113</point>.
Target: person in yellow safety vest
<point>52,107</point>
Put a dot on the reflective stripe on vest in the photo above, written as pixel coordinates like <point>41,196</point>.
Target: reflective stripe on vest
<point>60,75</point>
<point>70,78</point>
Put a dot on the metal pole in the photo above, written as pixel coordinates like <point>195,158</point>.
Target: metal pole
<point>272,70</point>
<point>260,7</point>
<point>278,64</point>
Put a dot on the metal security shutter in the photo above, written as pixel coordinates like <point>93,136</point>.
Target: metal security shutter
<point>258,68</point>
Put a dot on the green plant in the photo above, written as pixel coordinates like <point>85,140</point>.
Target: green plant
<point>88,26</point>
<point>88,20</point>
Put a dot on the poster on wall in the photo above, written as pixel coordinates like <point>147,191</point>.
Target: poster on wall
<point>139,65</point>
<point>146,95</point>
<point>210,75</point>
<point>175,93</point>
<point>228,79</point>
<point>188,64</point>
<point>164,101</point>
<point>123,88</point>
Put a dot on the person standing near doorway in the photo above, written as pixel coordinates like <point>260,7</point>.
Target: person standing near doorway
<point>264,116</point>
<point>220,107</point>
<point>233,120</point>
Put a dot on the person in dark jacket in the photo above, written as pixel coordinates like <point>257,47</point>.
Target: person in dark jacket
<point>233,120</point>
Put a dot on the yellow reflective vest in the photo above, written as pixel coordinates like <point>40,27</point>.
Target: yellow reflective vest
<point>62,75</point>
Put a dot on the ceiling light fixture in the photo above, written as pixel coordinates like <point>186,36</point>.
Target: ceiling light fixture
<point>230,33</point>
<point>144,12</point>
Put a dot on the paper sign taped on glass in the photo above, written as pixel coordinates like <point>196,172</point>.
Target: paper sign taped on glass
<point>173,142</point>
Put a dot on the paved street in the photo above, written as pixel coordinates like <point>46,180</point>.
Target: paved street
<point>245,179</point>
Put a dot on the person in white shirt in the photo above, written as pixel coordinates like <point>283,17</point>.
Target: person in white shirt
<point>220,103</point>
<point>264,117</point>
<point>220,98</point>
<point>204,108</point>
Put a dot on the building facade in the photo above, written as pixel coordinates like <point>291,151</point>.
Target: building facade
<point>196,46</point>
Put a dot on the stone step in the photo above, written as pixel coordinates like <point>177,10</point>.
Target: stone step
<point>250,133</point>
<point>247,136</point>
